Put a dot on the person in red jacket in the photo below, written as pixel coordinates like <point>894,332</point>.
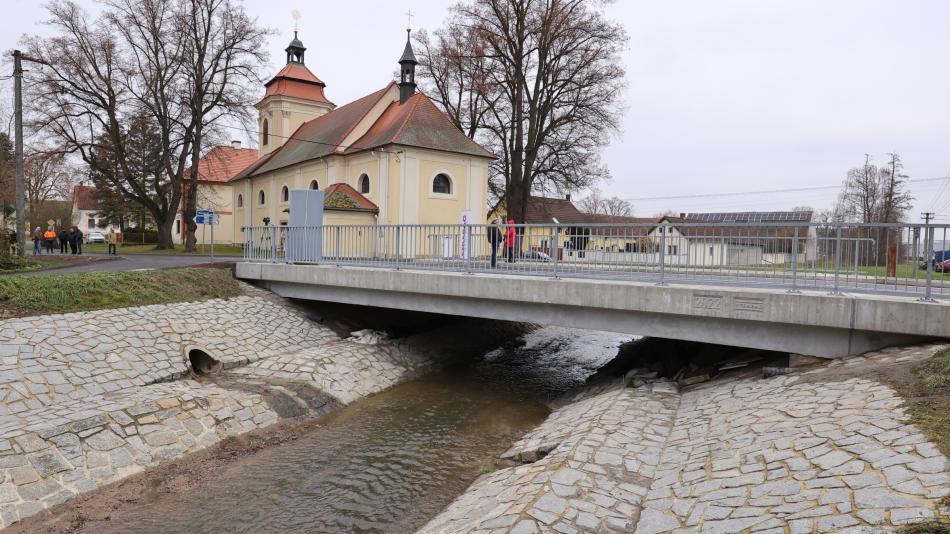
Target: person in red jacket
<point>510,238</point>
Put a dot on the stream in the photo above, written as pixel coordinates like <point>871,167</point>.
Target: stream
<point>390,462</point>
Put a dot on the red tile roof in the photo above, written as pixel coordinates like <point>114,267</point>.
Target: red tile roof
<point>297,81</point>
<point>84,197</point>
<point>418,123</point>
<point>318,137</point>
<point>222,163</point>
<point>543,210</point>
<point>344,197</point>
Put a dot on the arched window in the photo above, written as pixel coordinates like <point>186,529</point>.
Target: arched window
<point>442,184</point>
<point>284,194</point>
<point>264,133</point>
<point>260,198</point>
<point>314,185</point>
<point>364,184</point>
<point>240,201</point>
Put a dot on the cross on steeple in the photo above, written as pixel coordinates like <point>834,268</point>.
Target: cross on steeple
<point>409,15</point>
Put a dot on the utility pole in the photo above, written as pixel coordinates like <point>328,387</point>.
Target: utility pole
<point>20,189</point>
<point>18,59</point>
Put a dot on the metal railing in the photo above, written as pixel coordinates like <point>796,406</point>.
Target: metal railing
<point>872,258</point>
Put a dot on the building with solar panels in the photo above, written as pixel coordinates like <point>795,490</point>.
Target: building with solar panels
<point>737,238</point>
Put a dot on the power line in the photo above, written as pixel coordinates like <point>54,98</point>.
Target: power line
<point>768,192</point>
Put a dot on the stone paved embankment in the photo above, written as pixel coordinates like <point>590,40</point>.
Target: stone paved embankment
<point>789,454</point>
<point>89,398</point>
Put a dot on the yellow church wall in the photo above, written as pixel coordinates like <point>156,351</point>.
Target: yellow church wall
<point>220,198</point>
<point>436,208</point>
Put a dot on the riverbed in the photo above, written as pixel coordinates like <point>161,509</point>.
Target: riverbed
<point>387,463</point>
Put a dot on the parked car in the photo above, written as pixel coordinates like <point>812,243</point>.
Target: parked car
<point>95,237</point>
<point>942,267</point>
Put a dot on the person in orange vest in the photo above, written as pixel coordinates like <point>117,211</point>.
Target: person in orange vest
<point>49,237</point>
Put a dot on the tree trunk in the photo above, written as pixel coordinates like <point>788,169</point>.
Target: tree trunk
<point>191,199</point>
<point>165,240</point>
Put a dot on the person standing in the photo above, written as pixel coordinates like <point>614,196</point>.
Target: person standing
<point>111,240</point>
<point>79,237</point>
<point>49,237</point>
<point>71,238</point>
<point>63,240</point>
<point>37,241</point>
<point>510,237</point>
<point>494,239</point>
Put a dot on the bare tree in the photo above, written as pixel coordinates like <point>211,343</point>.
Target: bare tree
<point>538,82</point>
<point>895,201</point>
<point>47,175</point>
<point>99,78</point>
<point>143,69</point>
<point>875,195</point>
<point>225,51</point>
<point>592,203</point>
<point>597,204</point>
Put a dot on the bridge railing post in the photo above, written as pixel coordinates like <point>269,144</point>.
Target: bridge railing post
<point>273,244</point>
<point>398,244</point>
<point>836,290</point>
<point>794,262</point>
<point>930,258</point>
<point>468,248</point>
<point>553,248</point>
<point>337,246</point>
<point>664,228</point>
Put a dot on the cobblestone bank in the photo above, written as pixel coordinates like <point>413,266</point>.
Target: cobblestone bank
<point>780,455</point>
<point>89,398</point>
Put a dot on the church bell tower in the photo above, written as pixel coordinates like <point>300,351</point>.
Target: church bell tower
<point>407,69</point>
<point>293,96</point>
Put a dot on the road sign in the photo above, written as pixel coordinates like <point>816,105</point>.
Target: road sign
<point>206,217</point>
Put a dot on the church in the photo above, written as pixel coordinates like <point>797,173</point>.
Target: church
<point>390,157</point>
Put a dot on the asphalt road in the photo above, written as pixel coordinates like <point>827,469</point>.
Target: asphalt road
<point>133,262</point>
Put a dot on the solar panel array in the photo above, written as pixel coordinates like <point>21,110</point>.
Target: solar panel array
<point>750,216</point>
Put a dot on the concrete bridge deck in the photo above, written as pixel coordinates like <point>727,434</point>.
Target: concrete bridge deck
<point>816,324</point>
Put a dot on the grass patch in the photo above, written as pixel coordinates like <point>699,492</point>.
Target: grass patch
<point>202,250</point>
<point>13,264</point>
<point>61,293</point>
<point>927,399</point>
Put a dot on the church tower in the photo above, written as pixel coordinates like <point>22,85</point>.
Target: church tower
<point>407,69</point>
<point>294,96</point>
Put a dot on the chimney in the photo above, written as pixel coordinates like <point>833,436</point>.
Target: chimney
<point>236,145</point>
<point>567,197</point>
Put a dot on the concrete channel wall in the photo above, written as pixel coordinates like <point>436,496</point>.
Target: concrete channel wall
<point>89,398</point>
<point>815,324</point>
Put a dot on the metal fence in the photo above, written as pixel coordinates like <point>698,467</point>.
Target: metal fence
<point>874,258</point>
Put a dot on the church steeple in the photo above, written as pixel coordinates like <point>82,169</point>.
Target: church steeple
<point>295,51</point>
<point>407,68</point>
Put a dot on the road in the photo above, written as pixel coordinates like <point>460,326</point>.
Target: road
<point>132,262</point>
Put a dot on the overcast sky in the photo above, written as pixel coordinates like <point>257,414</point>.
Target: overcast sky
<point>725,96</point>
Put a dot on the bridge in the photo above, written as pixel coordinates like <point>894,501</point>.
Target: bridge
<point>824,292</point>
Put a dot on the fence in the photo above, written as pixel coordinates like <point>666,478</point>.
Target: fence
<point>873,258</point>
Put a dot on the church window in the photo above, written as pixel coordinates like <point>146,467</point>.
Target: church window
<point>240,201</point>
<point>260,198</point>
<point>442,184</point>
<point>364,184</point>
<point>264,133</point>
<point>314,185</point>
<point>284,194</point>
